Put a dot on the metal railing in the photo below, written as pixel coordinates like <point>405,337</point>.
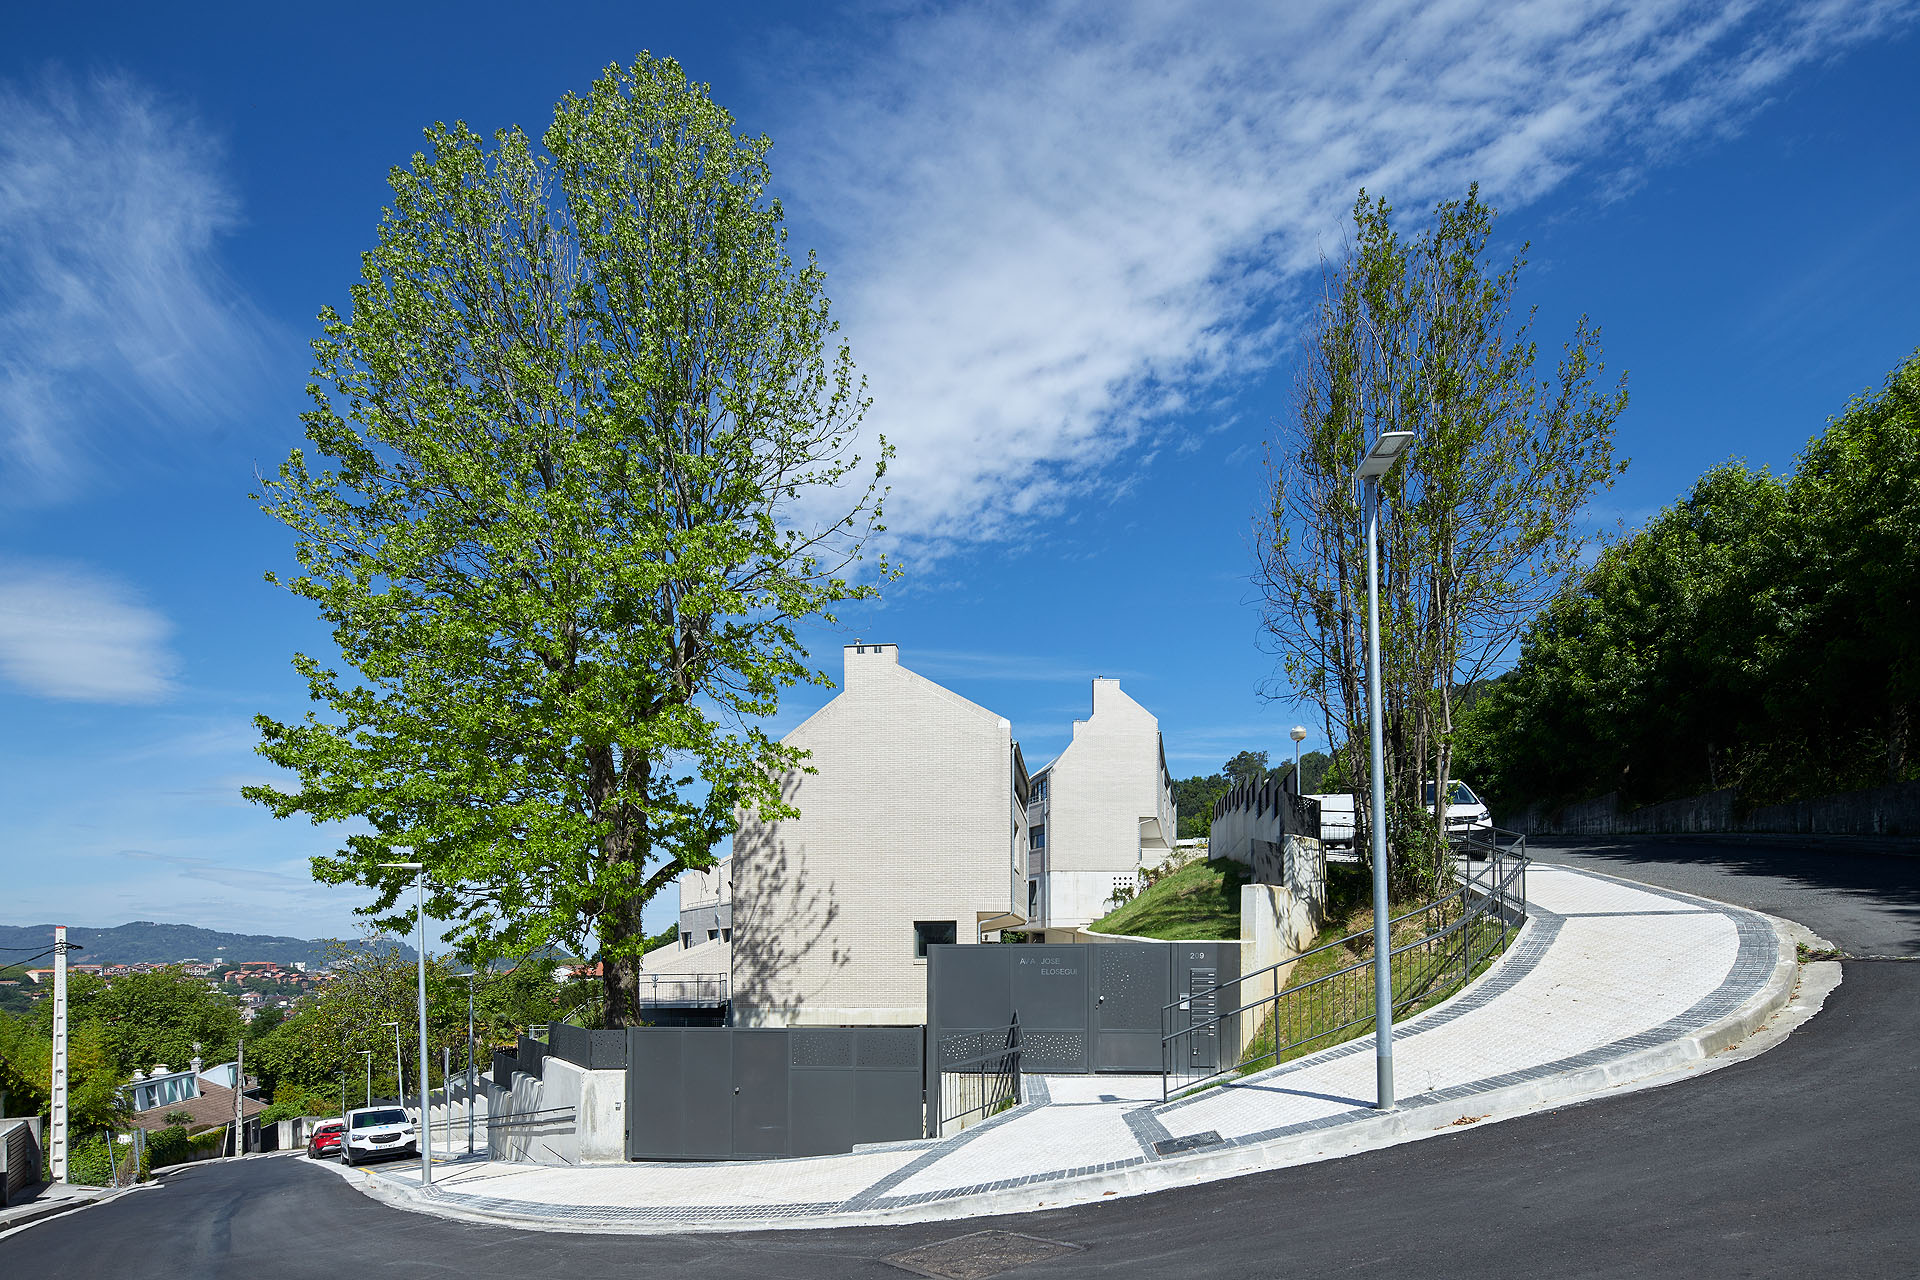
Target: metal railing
<point>1435,951</point>
<point>692,989</point>
<point>986,1082</point>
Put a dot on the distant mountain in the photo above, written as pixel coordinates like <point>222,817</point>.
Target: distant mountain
<point>144,942</point>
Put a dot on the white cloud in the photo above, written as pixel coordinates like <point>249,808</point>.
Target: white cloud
<point>1050,229</point>
<point>66,633</point>
<point>114,311</point>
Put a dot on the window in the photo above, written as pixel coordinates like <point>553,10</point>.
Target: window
<point>1038,793</point>
<point>929,933</point>
<point>1033,898</point>
<point>1037,837</point>
<point>713,935</point>
<point>726,935</point>
<point>686,940</point>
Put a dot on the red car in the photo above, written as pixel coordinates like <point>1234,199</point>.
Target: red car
<point>325,1140</point>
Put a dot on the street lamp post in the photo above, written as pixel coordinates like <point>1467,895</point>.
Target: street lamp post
<point>1373,469</point>
<point>472,1082</point>
<point>1299,735</point>
<point>368,1055</point>
<point>399,1075</point>
<point>420,946</point>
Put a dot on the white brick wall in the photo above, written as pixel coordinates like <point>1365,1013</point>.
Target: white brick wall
<point>908,815</point>
<point>1109,807</point>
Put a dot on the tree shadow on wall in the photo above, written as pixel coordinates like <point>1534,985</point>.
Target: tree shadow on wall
<point>782,924</point>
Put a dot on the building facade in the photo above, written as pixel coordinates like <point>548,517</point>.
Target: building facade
<point>1100,812</point>
<point>912,832</point>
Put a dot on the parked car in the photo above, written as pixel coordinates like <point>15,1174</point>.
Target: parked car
<point>325,1139</point>
<point>378,1131</point>
<point>1464,812</point>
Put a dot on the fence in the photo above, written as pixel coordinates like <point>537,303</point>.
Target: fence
<point>595,1050</point>
<point>1450,938</point>
<point>968,1089</point>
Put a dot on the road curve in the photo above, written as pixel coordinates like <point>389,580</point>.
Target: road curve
<point>1801,1159</point>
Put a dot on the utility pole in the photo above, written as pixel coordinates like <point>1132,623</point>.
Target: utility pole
<point>239,1100</point>
<point>57,1140</point>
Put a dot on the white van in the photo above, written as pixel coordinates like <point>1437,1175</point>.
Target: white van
<point>1464,812</point>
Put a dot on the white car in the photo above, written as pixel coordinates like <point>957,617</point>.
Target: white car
<point>1464,812</point>
<point>378,1131</point>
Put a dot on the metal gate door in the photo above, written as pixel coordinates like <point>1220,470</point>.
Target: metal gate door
<point>1132,987</point>
<point>718,1093</point>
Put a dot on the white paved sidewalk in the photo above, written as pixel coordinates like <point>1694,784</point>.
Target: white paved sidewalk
<point>1610,983</point>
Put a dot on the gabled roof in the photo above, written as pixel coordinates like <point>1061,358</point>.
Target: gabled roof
<point>213,1106</point>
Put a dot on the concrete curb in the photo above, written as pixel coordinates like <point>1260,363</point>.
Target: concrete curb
<point>1681,1058</point>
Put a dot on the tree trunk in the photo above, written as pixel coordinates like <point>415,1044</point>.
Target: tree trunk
<point>620,930</point>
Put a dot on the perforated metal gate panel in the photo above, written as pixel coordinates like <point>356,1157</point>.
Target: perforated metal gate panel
<point>1131,992</point>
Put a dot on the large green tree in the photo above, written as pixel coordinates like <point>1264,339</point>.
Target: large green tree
<point>1757,634</point>
<point>581,463</point>
<point>1421,333</point>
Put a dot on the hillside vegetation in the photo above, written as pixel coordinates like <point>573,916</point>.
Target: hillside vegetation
<point>1758,634</point>
<point>1197,903</point>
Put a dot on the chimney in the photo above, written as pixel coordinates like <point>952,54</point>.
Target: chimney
<point>861,658</point>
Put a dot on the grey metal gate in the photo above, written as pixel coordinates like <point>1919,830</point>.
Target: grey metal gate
<point>723,1093</point>
<point>1083,1007</point>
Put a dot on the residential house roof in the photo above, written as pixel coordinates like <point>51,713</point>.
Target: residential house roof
<point>214,1106</point>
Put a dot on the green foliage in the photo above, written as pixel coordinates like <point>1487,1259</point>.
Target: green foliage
<point>1199,902</point>
<point>1478,521</point>
<point>149,1018</point>
<point>561,517</point>
<point>302,1061</point>
<point>168,1146</point>
<point>1758,634</point>
<point>1194,799</point>
<point>1246,767</point>
<point>94,1074</point>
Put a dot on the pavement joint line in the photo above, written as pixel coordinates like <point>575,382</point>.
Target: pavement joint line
<point>1760,979</point>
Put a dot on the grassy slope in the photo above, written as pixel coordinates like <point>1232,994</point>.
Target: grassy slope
<point>1200,902</point>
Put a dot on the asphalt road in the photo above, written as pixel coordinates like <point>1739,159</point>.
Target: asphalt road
<point>1805,1160</point>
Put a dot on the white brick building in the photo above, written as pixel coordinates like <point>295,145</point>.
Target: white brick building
<point>1101,811</point>
<point>705,944</point>
<point>912,830</point>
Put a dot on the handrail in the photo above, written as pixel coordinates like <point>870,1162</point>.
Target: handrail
<point>997,1072</point>
<point>1333,1004</point>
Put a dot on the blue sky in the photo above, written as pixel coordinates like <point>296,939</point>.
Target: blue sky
<point>1070,247</point>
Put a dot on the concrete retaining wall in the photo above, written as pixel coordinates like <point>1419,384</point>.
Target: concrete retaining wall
<point>1879,811</point>
<point>19,1157</point>
<point>568,1116</point>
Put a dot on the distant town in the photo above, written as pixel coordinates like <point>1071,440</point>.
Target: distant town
<point>256,985</point>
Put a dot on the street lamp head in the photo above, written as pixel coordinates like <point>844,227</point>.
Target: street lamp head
<point>1298,733</point>
<point>1385,452</point>
<point>406,866</point>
